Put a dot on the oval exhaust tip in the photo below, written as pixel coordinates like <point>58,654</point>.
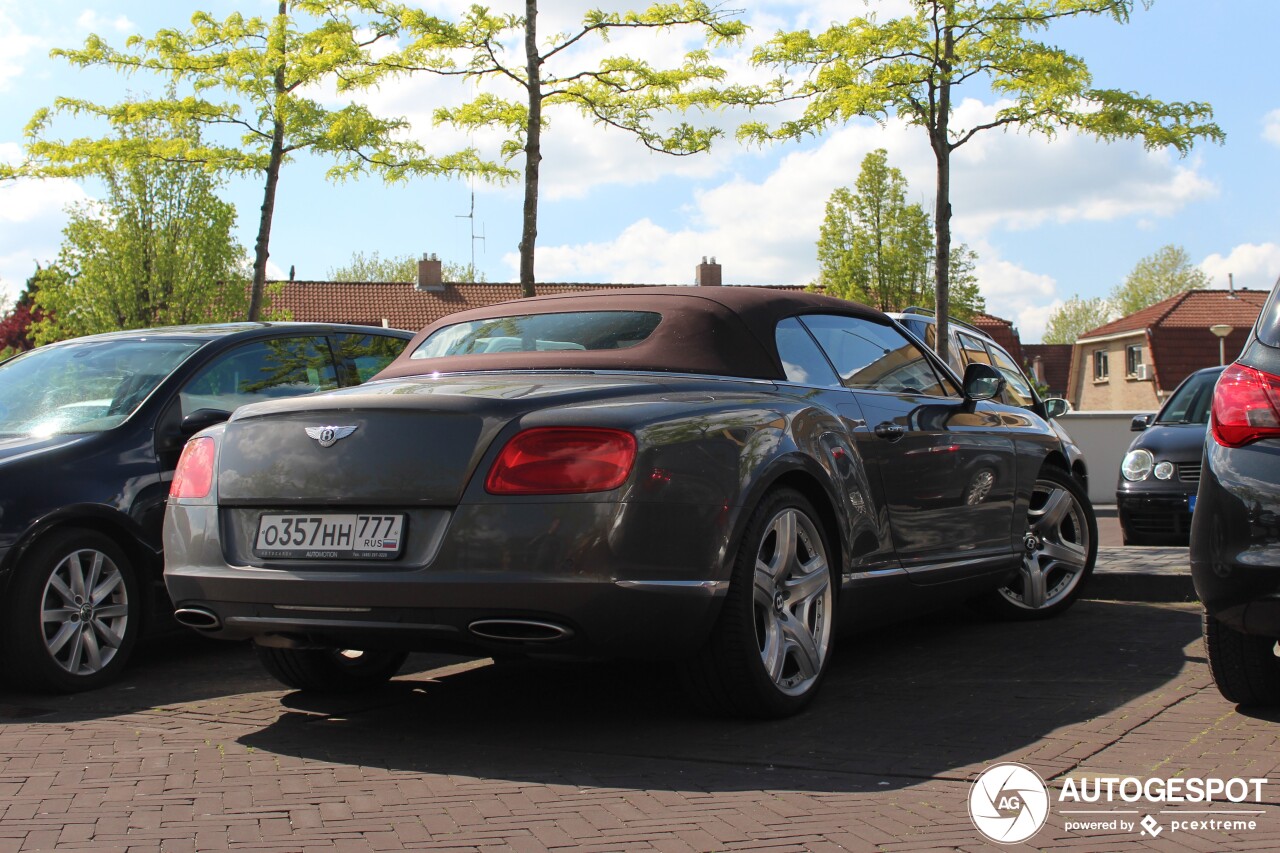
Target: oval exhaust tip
<point>197,617</point>
<point>519,630</point>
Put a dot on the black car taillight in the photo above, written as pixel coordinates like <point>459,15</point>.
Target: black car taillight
<point>1245,406</point>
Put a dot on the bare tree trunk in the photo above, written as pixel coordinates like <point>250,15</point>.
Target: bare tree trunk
<point>260,249</point>
<point>532,148</point>
<point>939,137</point>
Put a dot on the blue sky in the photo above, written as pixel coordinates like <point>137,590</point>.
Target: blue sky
<point>1049,219</point>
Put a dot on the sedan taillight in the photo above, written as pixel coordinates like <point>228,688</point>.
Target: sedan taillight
<point>562,461</point>
<point>1245,406</point>
<point>194,475</point>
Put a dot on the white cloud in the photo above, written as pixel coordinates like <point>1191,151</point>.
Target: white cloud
<point>16,47</point>
<point>31,219</point>
<point>1253,265</point>
<point>1271,127</point>
<point>92,21</point>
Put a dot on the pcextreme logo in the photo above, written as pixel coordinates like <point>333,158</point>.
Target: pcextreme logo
<point>1009,803</point>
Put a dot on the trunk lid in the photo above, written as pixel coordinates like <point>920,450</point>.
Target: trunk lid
<point>410,442</point>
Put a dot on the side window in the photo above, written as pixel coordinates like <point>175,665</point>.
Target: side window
<point>261,370</point>
<point>972,350</point>
<point>803,362</point>
<point>875,357</point>
<point>1100,371</point>
<point>1017,391</point>
<point>368,354</point>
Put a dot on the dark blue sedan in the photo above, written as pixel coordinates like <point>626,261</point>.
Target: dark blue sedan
<point>90,432</point>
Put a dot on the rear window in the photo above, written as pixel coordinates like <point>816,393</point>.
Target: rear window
<point>579,330</point>
<point>1268,328</point>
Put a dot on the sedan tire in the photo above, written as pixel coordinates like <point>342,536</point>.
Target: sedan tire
<point>1244,666</point>
<point>73,613</point>
<point>330,670</point>
<point>771,644</point>
<point>1060,548</point>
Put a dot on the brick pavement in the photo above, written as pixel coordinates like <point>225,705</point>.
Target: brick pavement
<point>197,750</point>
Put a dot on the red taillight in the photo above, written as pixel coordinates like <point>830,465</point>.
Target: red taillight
<point>1245,406</point>
<point>562,461</point>
<point>194,476</point>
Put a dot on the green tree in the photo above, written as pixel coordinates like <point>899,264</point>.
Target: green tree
<point>913,66</point>
<point>620,92</point>
<point>1075,317</point>
<point>157,251</point>
<point>1166,272</point>
<point>876,248</point>
<point>271,71</point>
<point>374,267</point>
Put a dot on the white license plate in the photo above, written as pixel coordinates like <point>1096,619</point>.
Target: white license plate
<point>330,536</point>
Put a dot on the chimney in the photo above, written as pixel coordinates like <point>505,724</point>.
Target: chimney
<point>430,275</point>
<point>1231,285</point>
<point>708,274</point>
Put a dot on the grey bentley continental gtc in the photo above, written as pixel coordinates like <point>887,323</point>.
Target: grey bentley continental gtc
<point>720,477</point>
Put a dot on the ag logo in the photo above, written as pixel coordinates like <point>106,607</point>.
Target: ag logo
<point>327,435</point>
<point>1009,803</point>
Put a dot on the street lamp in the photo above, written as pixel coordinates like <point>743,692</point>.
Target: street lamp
<point>1222,330</point>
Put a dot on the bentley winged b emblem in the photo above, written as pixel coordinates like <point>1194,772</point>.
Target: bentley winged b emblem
<point>328,435</point>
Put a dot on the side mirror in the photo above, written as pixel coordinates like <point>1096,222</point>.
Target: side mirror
<point>982,382</point>
<point>1056,407</point>
<point>202,419</point>
<point>1140,423</point>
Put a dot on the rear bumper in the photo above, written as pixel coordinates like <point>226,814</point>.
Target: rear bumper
<point>601,603</point>
<point>1235,538</point>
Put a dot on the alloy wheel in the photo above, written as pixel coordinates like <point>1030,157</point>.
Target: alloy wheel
<point>84,612</point>
<point>1056,548</point>
<point>792,602</point>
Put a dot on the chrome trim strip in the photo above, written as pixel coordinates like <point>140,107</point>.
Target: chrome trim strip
<point>877,573</point>
<point>322,609</point>
<point>709,587</point>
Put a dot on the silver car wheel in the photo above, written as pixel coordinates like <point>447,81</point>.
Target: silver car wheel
<point>84,612</point>
<point>1056,548</point>
<point>792,602</point>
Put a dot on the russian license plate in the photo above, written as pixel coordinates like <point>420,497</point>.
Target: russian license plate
<point>330,536</point>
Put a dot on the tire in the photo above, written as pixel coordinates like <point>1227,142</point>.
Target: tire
<point>1244,666</point>
<point>1060,549</point>
<point>771,644</point>
<point>73,613</point>
<point>330,670</point>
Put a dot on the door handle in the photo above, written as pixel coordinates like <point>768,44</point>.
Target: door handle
<point>890,431</point>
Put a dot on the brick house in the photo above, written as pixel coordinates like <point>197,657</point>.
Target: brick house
<point>1134,363</point>
<point>1050,365</point>
<point>412,306</point>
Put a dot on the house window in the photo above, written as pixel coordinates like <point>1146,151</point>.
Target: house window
<point>1133,360</point>
<point>1099,365</point>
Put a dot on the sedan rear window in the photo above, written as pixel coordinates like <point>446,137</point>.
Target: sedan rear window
<point>578,330</point>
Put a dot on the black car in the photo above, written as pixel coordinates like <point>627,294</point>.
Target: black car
<point>1235,530</point>
<point>713,476</point>
<point>1160,474</point>
<point>90,433</point>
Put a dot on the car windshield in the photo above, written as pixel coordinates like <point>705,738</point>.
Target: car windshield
<point>89,386</point>
<point>1190,403</point>
<point>581,330</point>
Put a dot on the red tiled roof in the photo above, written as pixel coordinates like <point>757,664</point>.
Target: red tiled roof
<point>1055,365</point>
<point>400,303</point>
<point>1178,330</point>
<point>1002,332</point>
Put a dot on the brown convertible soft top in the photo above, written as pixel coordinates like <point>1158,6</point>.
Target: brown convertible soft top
<point>721,331</point>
